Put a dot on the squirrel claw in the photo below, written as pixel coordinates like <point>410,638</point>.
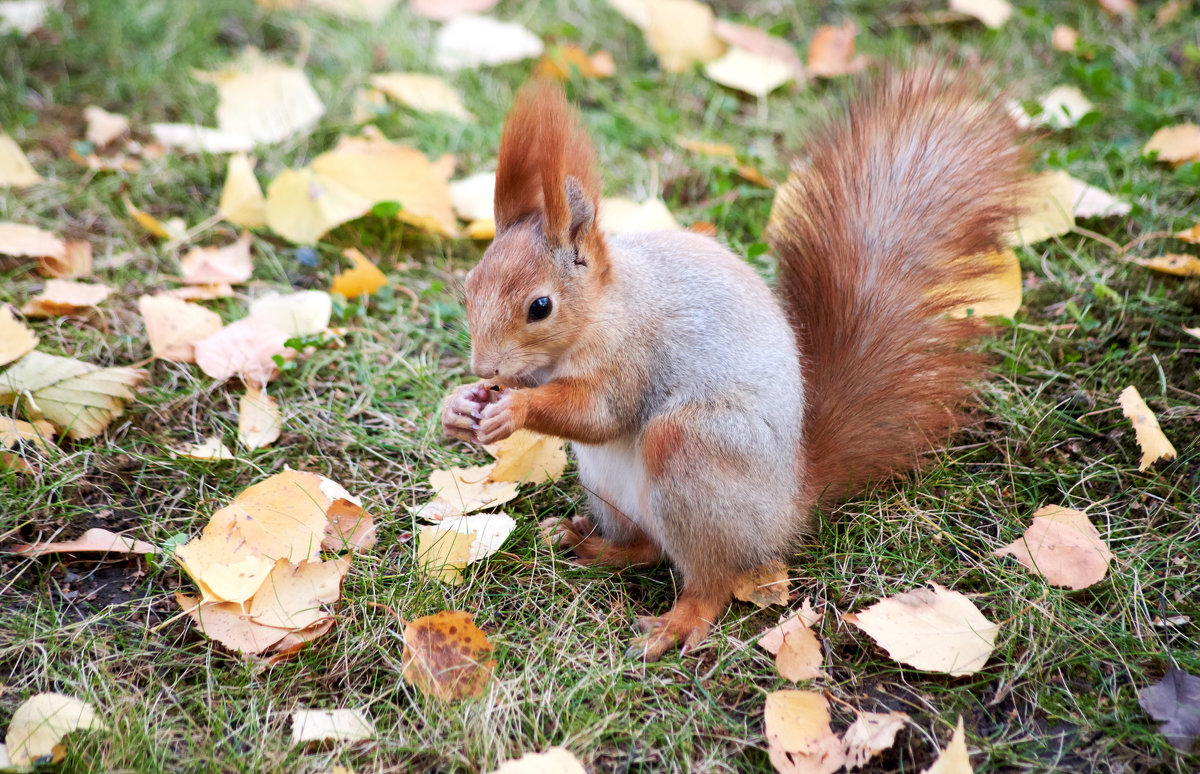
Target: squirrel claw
<point>663,633</point>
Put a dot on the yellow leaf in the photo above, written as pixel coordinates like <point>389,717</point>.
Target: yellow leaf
<point>998,295</point>
<point>799,738</point>
<point>293,593</point>
<point>870,734</point>
<point>444,549</point>
<point>1062,546</point>
<point>557,63</point>
<point>304,313</point>
<point>263,100</point>
<point>555,760</point>
<point>426,93</point>
<point>94,540</point>
<point>1150,437</point>
<point>528,456</point>
<point>199,292</point>
<point>681,33</point>
<point>936,630</point>
<point>77,397</point>
<point>472,197</point>
<point>993,13</point>
<point>60,297</point>
<point>242,201</point>
<point>484,228</point>
<point>15,169</point>
<point>799,656</point>
<point>21,241</point>
<point>471,41</point>
<point>447,656</point>
<point>15,338</point>
<point>831,51</point>
<point>201,139</point>
<point>1172,263</point>
<point>465,490</point>
<point>38,433</point>
<point>302,205</point>
<point>340,725</point>
<point>953,759</point>
<point>174,326</point>
<point>720,149</point>
<point>625,216</point>
<point>259,423</point>
<point>772,639</point>
<point>76,261</point>
<point>764,585</point>
<point>1048,209</point>
<point>1175,144</point>
<point>228,624</point>
<point>209,450</point>
<point>38,726</point>
<point>168,230</point>
<point>749,72</point>
<point>102,126</point>
<point>218,265</point>
<point>364,278</point>
<point>1190,235</point>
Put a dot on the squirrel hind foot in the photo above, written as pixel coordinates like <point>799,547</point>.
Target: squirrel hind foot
<point>684,626</point>
<point>579,535</point>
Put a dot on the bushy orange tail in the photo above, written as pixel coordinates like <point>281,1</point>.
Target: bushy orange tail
<point>895,204</point>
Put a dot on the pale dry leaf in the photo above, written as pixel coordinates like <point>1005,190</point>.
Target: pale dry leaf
<point>1175,144</point>
<point>102,126</point>
<point>342,725</point>
<point>24,241</point>
<point>936,630</point>
<point>303,313</point>
<point>174,326</point>
<point>1174,701</point>
<point>15,169</point>
<point>993,13</point>
<point>637,12</point>
<point>59,297</point>
<point>191,138</point>
<point>760,43</point>
<point>772,639</point>
<point>363,278</point>
<point>446,548</point>
<point>246,349</point>
<point>38,726</point>
<point>1150,437</point>
<point>561,61</point>
<point>1179,264</point>
<point>368,105</point>
<point>1170,11</point>
<point>528,456</point>
<point>445,10</point>
<point>953,759</point>
<point>1061,108</point>
<point>77,397</point>
<point>25,16</point>
<point>1063,546</point>
<point>259,422</point>
<point>625,216</point>
<point>242,201</point>
<point>996,295</point>
<point>1064,38</point>
<point>199,292</point>
<point>472,197</point>
<point>1190,235</point>
<point>831,52</point>
<point>468,41</point>
<point>292,595</point>
<point>467,490</point>
<point>682,34</point>
<point>350,527</point>
<point>1119,7</point>
<point>209,450</point>
<point>1195,332</point>
<point>718,149</point>
<point>362,10</point>
<point>16,339</point>
<point>302,206</point>
<point>229,264</point>
<point>1092,202</point>
<point>447,656</point>
<point>38,432</point>
<point>93,541</point>
<point>799,657</point>
<point>264,100</point>
<point>228,624</point>
<point>764,586</point>
<point>799,739</point>
<point>870,734</point>
<point>555,760</point>
<point>748,72</point>
<point>423,92</point>
<point>174,229</point>
<point>1047,209</point>
<point>76,261</point>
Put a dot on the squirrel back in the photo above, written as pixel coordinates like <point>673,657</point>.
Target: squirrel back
<point>899,202</point>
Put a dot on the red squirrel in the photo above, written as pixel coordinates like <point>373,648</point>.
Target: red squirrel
<point>709,416</point>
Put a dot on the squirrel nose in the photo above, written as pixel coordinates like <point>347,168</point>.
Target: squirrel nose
<point>484,370</point>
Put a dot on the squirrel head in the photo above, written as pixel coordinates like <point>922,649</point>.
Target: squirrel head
<point>533,295</point>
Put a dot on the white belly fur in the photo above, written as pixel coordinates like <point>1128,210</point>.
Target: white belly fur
<point>614,472</point>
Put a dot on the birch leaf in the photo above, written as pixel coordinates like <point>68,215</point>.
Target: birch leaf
<point>77,397</point>
<point>1175,144</point>
<point>1172,263</point>
<point>1150,437</point>
<point>102,126</point>
<point>24,241</point>
<point>60,297</point>
<point>468,41</point>
<point>303,313</point>
<point>528,456</point>
<point>229,264</point>
<point>870,734</point>
<point>263,100</point>
<point>174,326</point>
<point>447,656</point>
<point>682,34</point>
<point>426,93</point>
<point>242,200</point>
<point>953,759</point>
<point>16,340</point>
<point>94,540</point>
<point>15,169</point>
<point>1062,546</point>
<point>364,278</point>
<point>799,739</point>
<point>259,423</point>
<point>38,726</point>
<point>799,656</point>
<point>342,725</point>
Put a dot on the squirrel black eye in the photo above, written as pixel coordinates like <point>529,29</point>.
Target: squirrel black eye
<point>539,309</point>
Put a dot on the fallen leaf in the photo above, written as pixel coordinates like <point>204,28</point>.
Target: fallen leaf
<point>23,241</point>
<point>1061,108</point>
<point>1170,11</point>
<point>14,431</point>
<point>16,340</point>
<point>761,44</point>
<point>94,540</point>
<point>446,548</point>
<point>174,326</point>
<point>468,41</point>
<point>1150,437</point>
<point>302,206</point>
<point>263,100</point>
<point>993,13</point>
<point>1175,144</point>
<point>484,228</point>
<point>799,656</point>
<point>245,349</point>
<point>364,278</point>
<point>870,734</point>
<point>1190,235</point>
<point>459,491</point>
<point>292,594</point>
<point>1192,332</point>
<point>1119,7</point>
<point>191,138</point>
<point>682,34</point>
<point>426,93</point>
<point>953,759</point>
<point>59,297</point>
<point>772,639</point>
<point>555,760</point>
<point>799,739</point>
<point>1048,209</point>
<point>1064,38</point>
<point>199,292</point>
<point>446,656</point>
<point>173,230</point>
<point>1063,546</point>
<point>1172,263</point>
<point>996,295</point>
<point>719,149</point>
<point>624,216</point>
<point>218,265</point>
<point>1174,701</point>
<point>102,126</point>
<point>754,74</point>
<point>528,456</point>
<point>472,197</point>
<point>228,624</point>
<point>76,261</point>
<point>342,725</point>
<point>445,10</point>
<point>368,105</point>
<point>936,630</point>
<point>303,313</point>
<point>38,726</point>
<point>765,585</point>
<point>1092,202</point>
<point>25,16</point>
<point>831,52</point>
<point>350,527</point>
<point>77,397</point>
<point>242,201</point>
<point>259,423</point>
<point>210,450</point>
<point>636,12</point>
<point>15,169</point>
<point>559,61</point>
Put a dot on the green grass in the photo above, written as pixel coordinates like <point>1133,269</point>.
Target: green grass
<point>1058,694</point>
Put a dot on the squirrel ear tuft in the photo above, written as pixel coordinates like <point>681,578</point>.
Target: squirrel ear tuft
<point>582,209</point>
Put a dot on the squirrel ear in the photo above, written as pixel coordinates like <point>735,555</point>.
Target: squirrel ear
<point>582,209</point>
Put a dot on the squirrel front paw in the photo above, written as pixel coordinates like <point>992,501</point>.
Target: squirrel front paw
<point>501,418</point>
<point>463,410</point>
